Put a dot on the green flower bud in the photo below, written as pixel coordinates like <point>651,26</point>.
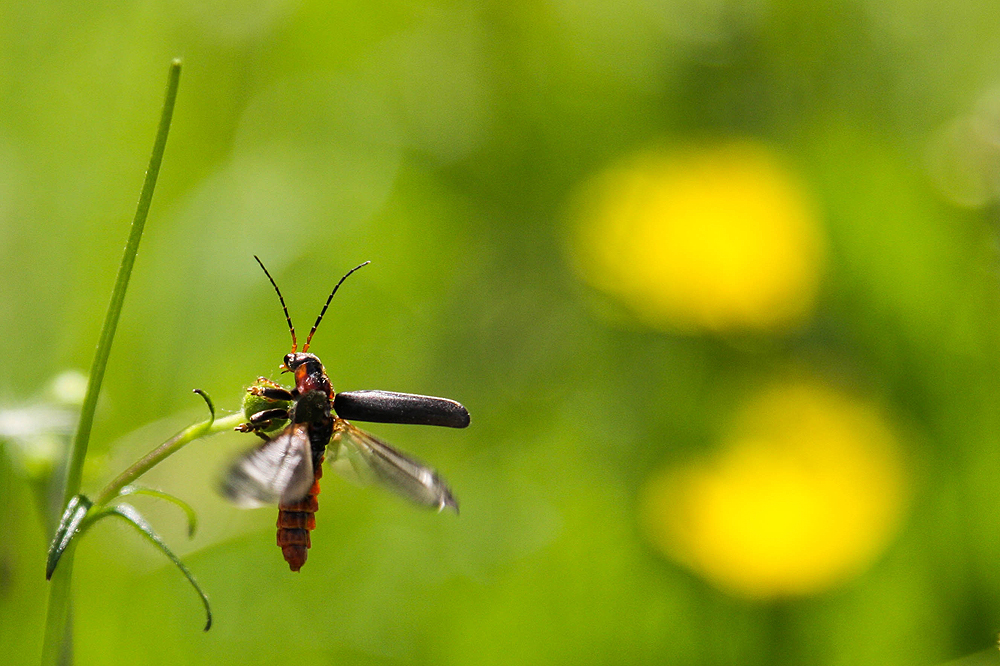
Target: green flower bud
<point>254,403</point>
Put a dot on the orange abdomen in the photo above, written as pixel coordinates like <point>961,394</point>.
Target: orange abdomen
<point>295,521</point>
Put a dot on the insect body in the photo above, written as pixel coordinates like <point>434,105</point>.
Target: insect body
<point>286,468</point>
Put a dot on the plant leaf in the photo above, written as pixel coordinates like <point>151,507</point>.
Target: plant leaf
<point>130,515</point>
<point>192,517</point>
<point>69,527</point>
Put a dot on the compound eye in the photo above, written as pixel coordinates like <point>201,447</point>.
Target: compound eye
<point>288,360</point>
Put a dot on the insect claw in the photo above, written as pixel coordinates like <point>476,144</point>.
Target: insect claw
<point>274,393</point>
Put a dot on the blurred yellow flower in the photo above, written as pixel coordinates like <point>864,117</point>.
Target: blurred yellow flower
<point>719,238</point>
<point>806,492</point>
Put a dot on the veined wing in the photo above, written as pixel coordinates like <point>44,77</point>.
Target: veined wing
<point>376,461</point>
<point>279,470</point>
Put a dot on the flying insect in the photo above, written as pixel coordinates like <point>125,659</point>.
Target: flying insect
<point>303,424</point>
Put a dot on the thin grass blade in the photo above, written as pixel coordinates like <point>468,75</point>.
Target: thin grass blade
<point>192,517</point>
<point>130,515</point>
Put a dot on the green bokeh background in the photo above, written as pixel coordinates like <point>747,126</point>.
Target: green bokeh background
<point>443,142</point>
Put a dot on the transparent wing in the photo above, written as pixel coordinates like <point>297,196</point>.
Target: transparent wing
<point>375,461</point>
<point>280,470</point>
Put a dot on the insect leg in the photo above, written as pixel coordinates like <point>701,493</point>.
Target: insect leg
<point>263,420</point>
<point>275,392</point>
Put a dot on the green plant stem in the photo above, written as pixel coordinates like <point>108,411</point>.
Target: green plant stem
<point>78,453</point>
<point>168,448</point>
<point>55,650</point>
<point>57,621</point>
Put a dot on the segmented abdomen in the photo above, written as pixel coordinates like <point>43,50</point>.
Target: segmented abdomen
<point>295,521</point>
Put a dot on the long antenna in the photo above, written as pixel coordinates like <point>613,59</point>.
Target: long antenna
<point>284,307</point>
<point>305,347</point>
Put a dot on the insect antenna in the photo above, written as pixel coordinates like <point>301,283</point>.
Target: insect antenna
<point>305,347</point>
<point>284,307</point>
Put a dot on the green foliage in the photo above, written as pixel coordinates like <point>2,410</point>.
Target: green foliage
<point>69,526</point>
<point>446,142</point>
<point>192,517</point>
<point>128,513</point>
<point>81,512</point>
